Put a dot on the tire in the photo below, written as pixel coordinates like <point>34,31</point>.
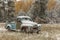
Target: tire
<point>38,31</point>
<point>8,28</point>
<point>23,29</point>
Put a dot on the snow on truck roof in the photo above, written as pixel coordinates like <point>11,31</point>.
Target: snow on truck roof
<point>23,17</point>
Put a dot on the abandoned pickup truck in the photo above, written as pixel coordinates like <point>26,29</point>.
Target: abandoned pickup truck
<point>23,23</point>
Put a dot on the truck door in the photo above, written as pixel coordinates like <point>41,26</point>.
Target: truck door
<point>18,24</point>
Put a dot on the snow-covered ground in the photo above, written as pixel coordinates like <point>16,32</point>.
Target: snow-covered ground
<point>2,27</point>
<point>48,32</point>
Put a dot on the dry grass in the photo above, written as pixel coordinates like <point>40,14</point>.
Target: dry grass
<point>48,32</point>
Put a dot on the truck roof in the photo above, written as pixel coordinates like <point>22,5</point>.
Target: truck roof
<point>23,17</point>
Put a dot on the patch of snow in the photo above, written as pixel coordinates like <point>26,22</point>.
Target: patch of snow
<point>3,29</point>
<point>45,34</point>
<point>18,0</point>
<point>58,36</point>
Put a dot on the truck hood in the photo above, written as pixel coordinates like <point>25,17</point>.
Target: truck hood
<point>29,22</point>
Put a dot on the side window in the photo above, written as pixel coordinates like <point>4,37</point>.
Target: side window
<point>18,19</point>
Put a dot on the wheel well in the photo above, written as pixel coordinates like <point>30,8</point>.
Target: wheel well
<point>23,28</point>
<point>8,27</point>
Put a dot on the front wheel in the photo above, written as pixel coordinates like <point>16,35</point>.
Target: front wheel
<point>38,31</point>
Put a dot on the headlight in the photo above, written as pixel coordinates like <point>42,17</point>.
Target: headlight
<point>38,24</point>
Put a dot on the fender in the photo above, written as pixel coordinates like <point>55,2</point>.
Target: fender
<point>8,25</point>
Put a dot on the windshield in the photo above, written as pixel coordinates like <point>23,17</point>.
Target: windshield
<point>26,19</point>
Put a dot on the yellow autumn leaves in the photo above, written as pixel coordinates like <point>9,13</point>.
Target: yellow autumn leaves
<point>51,4</point>
<point>21,5</point>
